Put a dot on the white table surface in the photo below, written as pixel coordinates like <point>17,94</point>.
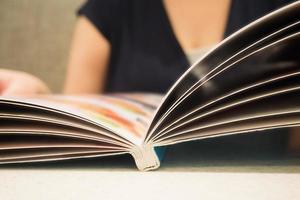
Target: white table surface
<point>189,174</point>
<point>104,184</point>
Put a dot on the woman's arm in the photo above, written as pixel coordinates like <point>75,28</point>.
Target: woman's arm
<point>88,61</point>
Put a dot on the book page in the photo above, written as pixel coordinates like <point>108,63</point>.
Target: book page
<point>228,50</point>
<point>258,66</point>
<point>257,113</point>
<point>124,114</point>
<point>53,154</point>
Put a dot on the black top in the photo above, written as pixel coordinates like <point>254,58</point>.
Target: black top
<point>145,54</point>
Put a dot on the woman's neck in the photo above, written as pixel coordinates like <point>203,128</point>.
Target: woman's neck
<point>197,23</point>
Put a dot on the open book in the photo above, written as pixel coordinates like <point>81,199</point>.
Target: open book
<point>249,82</point>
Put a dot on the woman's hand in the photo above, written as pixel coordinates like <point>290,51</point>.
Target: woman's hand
<point>16,83</point>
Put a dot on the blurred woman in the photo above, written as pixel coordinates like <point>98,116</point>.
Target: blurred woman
<point>140,45</point>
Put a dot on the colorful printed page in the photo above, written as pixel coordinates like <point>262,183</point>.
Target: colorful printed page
<point>127,115</point>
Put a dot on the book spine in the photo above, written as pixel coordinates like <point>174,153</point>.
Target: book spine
<point>145,158</point>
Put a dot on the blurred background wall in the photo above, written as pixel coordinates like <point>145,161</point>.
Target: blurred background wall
<point>35,37</point>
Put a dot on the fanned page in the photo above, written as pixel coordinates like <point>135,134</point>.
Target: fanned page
<point>251,84</point>
<point>239,45</point>
<point>42,128</point>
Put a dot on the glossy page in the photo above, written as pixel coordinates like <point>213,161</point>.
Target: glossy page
<point>233,46</point>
